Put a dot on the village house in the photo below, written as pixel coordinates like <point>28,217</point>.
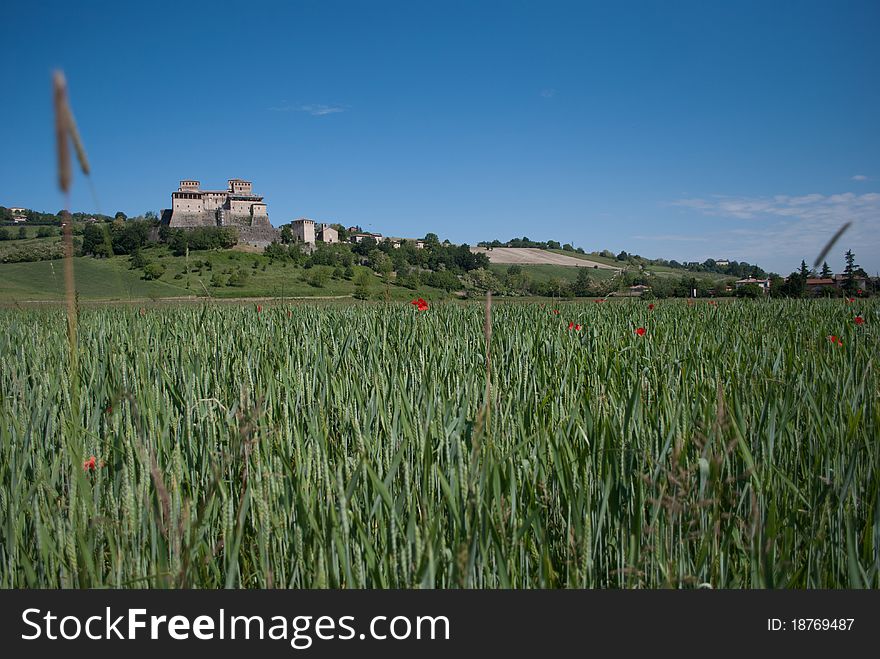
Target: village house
<point>360,237</point>
<point>763,284</point>
<point>397,243</point>
<point>817,285</point>
<point>860,282</point>
<point>327,234</point>
<point>722,262</point>
<point>639,289</point>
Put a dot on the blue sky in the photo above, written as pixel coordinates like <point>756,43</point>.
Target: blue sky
<point>682,130</point>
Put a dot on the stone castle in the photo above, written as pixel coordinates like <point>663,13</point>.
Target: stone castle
<point>237,207</point>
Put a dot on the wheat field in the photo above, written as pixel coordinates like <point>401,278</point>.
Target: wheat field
<point>350,446</point>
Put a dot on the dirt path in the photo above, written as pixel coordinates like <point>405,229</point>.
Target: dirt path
<point>533,256</point>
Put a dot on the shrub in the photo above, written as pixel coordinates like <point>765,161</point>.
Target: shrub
<point>153,271</point>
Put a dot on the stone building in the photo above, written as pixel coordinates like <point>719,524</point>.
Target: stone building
<point>327,234</point>
<point>237,206</point>
<point>303,230</point>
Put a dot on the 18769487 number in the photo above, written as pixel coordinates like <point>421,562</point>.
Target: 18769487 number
<point>821,624</point>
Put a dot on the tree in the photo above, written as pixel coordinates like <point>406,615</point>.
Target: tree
<point>138,260</point>
<point>153,271</point>
<point>826,271</point>
<point>4,233</point>
<point>363,282</point>
<point>22,233</point>
<point>795,285</point>
<point>582,285</point>
<point>120,216</point>
<point>365,246</point>
<point>804,271</point>
<point>93,236</point>
<point>380,262</point>
<point>623,256</point>
<point>751,291</point>
<point>849,272</point>
<point>286,234</point>
<point>151,216</point>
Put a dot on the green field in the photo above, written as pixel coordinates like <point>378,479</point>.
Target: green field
<point>113,279</point>
<point>658,270</point>
<point>546,272</point>
<point>358,445</point>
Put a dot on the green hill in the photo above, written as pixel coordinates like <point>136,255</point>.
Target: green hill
<point>112,279</point>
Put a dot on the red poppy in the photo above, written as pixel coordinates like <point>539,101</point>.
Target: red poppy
<point>570,325</point>
<point>713,303</point>
<point>577,328</point>
<point>289,314</point>
<point>858,320</point>
<point>556,311</point>
<point>259,308</point>
<point>835,339</point>
<point>91,464</point>
<point>143,312</point>
<point>850,299</point>
<point>651,307</point>
<point>599,301</point>
<point>859,291</point>
<point>420,304</point>
<point>109,409</point>
<point>640,331</point>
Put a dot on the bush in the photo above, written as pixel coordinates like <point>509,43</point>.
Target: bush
<point>749,291</point>
<point>363,284</point>
<point>138,260</point>
<point>318,277</point>
<point>153,271</point>
<point>238,278</point>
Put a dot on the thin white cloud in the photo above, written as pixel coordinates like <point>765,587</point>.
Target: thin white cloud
<point>548,93</point>
<point>859,177</point>
<point>314,109</point>
<point>784,229</point>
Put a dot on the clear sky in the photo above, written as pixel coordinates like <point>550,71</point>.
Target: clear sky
<point>685,130</point>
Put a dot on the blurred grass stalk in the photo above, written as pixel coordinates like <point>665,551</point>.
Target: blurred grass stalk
<point>65,129</point>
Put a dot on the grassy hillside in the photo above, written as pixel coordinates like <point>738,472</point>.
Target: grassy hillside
<point>658,270</point>
<point>546,272</point>
<point>113,279</point>
<point>95,279</point>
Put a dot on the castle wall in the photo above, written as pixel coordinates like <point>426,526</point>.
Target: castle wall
<point>213,200</point>
<point>239,207</point>
<point>191,203</point>
<point>240,187</point>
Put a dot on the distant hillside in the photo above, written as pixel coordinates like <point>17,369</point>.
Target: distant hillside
<point>533,256</point>
<point>623,260</point>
